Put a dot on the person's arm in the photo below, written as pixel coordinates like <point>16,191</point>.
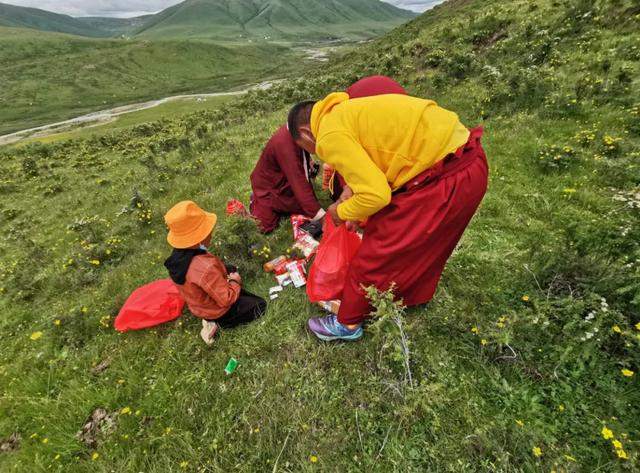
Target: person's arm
<point>371,191</point>
<point>223,291</point>
<point>289,159</point>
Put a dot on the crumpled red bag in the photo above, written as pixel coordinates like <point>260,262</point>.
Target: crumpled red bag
<point>235,207</point>
<point>328,272</point>
<point>150,305</point>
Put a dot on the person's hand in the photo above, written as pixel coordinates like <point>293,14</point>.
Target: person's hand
<point>333,213</point>
<point>353,226</point>
<point>347,193</point>
<point>236,277</point>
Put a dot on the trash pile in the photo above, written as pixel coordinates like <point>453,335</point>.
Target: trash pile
<point>333,254</point>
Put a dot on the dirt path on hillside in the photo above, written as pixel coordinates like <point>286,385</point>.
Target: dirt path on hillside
<point>106,116</point>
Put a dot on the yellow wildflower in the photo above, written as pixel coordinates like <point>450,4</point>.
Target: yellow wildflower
<point>519,423</point>
<point>95,262</point>
<point>638,326</point>
<point>525,298</point>
<point>617,444</point>
<point>184,464</point>
<point>484,341</point>
<point>606,433</point>
<point>627,373</point>
<point>95,456</point>
<point>36,336</point>
<point>313,459</point>
<point>121,381</point>
<point>561,407</point>
<point>125,410</point>
<point>622,454</point>
<point>57,322</point>
<point>537,452</point>
<point>45,440</point>
<point>57,457</point>
<point>616,329</point>
<point>475,330</point>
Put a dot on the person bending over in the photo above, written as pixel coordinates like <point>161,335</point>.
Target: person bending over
<point>415,172</point>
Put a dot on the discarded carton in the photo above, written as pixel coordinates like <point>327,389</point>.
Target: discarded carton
<point>270,266</point>
<point>232,364</point>
<point>297,273</point>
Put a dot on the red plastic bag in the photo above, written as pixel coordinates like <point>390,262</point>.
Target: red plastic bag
<point>235,207</point>
<point>328,272</point>
<point>150,305</point>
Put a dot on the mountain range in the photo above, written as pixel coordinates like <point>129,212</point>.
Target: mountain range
<point>227,20</point>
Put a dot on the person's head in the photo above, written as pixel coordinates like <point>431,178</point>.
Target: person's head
<point>299,125</point>
<point>189,225</point>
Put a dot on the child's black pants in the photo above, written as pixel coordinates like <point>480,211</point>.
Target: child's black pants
<point>246,309</point>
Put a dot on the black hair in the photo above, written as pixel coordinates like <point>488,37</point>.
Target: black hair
<point>299,115</point>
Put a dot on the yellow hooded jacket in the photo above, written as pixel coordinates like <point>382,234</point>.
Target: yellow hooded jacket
<point>380,143</point>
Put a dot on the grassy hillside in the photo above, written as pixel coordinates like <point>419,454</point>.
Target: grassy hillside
<point>275,19</point>
<point>50,77</point>
<point>526,360</point>
<point>23,17</point>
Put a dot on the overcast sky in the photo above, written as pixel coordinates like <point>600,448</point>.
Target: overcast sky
<point>127,8</point>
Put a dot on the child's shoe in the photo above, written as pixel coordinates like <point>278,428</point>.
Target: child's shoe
<point>209,329</point>
<point>328,329</point>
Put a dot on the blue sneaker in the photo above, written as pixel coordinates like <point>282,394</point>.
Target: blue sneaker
<point>328,329</point>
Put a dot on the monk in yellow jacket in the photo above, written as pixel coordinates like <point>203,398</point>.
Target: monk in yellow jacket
<point>414,172</point>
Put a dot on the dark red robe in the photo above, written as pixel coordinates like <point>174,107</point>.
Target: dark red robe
<point>409,241</point>
<point>280,182</point>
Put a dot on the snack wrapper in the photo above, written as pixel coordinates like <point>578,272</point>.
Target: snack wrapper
<point>297,273</point>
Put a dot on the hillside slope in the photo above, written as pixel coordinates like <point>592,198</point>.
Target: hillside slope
<point>23,17</point>
<point>527,359</point>
<point>275,19</point>
<point>48,77</point>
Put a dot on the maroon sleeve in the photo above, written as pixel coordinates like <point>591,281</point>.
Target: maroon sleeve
<point>289,157</point>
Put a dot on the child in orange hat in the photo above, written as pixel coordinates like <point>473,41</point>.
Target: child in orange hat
<point>212,291</point>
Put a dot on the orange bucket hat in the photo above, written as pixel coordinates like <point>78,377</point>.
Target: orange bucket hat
<point>188,224</point>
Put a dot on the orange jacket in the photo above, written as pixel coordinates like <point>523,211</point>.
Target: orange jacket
<point>206,290</point>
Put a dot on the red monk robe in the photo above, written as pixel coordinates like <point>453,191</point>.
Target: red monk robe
<point>409,241</point>
<point>280,181</point>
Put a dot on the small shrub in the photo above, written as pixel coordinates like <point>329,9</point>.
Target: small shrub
<point>234,239</point>
<point>554,158</point>
<point>610,146</point>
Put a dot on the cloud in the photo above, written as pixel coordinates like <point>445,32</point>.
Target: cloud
<point>116,8</point>
<point>415,5</point>
<point>127,8</point>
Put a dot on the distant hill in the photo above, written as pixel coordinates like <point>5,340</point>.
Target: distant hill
<point>111,27</point>
<point>228,20</point>
<point>275,19</point>
<point>22,17</point>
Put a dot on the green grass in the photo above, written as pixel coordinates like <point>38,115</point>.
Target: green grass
<point>545,275</point>
<point>49,77</point>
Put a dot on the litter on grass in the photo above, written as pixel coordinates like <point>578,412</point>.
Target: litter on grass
<point>232,364</point>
